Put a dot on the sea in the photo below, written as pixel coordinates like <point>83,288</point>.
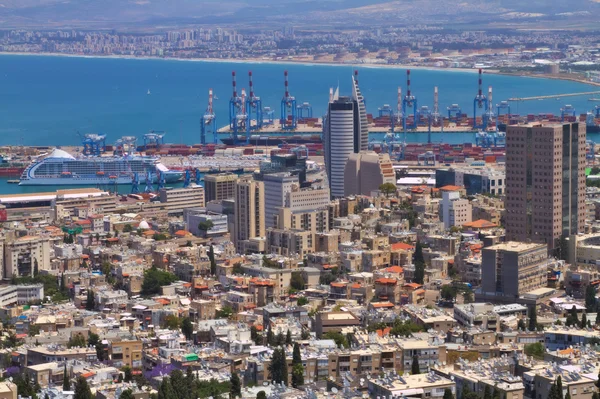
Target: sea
<point>52,100</point>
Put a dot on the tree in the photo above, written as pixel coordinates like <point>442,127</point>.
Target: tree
<point>263,395</point>
<point>414,368</point>
<point>590,298</point>
<point>562,249</point>
<point>66,381</point>
<point>387,189</point>
<point>154,279</point>
<point>339,338</point>
<point>288,338</point>
<point>90,303</point>
<point>306,335</point>
<point>583,321</point>
<point>270,337</point>
<point>128,375</point>
<point>213,262</point>
<point>487,394</point>
<point>279,339</point>
<point>127,228</point>
<point>296,357</point>
<point>536,350</point>
<point>236,385</point>
<point>302,301</point>
<point>297,281</point>
<point>126,394</point>
<point>172,322</point>
<point>467,296</point>
<point>278,366</point>
<point>448,394</point>
<point>448,292</point>
<point>568,395</point>
<point>297,375</point>
<point>33,330</point>
<point>205,225</point>
<point>224,313</point>
<point>94,340</point>
<point>76,341</point>
<point>419,262</point>
<point>532,319</point>
<point>187,328</point>
<point>597,320</point>
<point>418,255</point>
<point>573,316</point>
<point>521,325</point>
<point>82,389</point>
<point>559,387</point>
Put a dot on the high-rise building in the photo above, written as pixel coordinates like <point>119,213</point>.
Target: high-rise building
<point>545,181</point>
<point>219,186</point>
<point>511,269</point>
<point>345,131</point>
<point>277,185</point>
<point>366,171</point>
<point>249,213</point>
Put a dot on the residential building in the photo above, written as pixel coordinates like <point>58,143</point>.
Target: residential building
<point>194,216</point>
<point>219,186</point>
<point>24,255</point>
<point>366,171</point>
<point>456,211</point>
<point>545,190</point>
<point>177,199</point>
<point>249,213</point>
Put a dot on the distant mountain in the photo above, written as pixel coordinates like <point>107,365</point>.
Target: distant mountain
<point>260,13</point>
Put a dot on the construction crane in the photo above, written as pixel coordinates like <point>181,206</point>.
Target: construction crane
<point>289,116</point>
<point>208,123</point>
<point>480,102</point>
<point>305,111</point>
<point>436,117</point>
<point>254,109</point>
<point>454,113</point>
<point>489,115</point>
<point>409,102</point>
<point>567,110</point>
<point>93,144</point>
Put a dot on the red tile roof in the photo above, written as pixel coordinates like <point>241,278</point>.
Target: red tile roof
<point>402,246</point>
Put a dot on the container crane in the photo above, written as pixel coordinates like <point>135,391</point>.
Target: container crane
<point>409,102</point>
<point>269,116</point>
<point>489,115</point>
<point>208,123</point>
<point>567,110</point>
<point>135,184</point>
<point>436,117</point>
<point>197,176</point>
<point>424,113</point>
<point>125,145</point>
<point>161,181</point>
<point>305,111</point>
<point>188,179</point>
<point>254,109</point>
<point>236,111</point>
<point>93,144</point>
<point>480,102</point>
<point>398,116</point>
<point>289,116</point>
<point>149,180</point>
<point>386,110</point>
<point>154,139</point>
<point>503,108</point>
<point>454,113</point>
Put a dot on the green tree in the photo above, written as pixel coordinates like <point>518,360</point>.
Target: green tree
<point>154,279</point>
<point>418,254</point>
<point>82,389</point>
<point>419,262</point>
<point>288,338</point>
<point>224,313</point>
<point>562,249</point>
<point>487,394</point>
<point>278,367</point>
<point>448,394</point>
<point>448,292</point>
<point>414,368</point>
<point>532,318</point>
<point>590,298</point>
<point>205,225</point>
<point>467,296</point>
<point>263,395</point>
<point>305,335</point>
<point>536,350</point>
<point>94,340</point>
<point>90,303</point>
<point>302,301</point>
<point>66,381</point>
<point>297,281</point>
<point>126,394</point>
<point>279,339</point>
<point>236,386</point>
<point>76,341</point>
<point>128,374</point>
<point>127,228</point>
<point>583,321</point>
<point>172,322</point>
<point>568,395</point>
<point>213,262</point>
<point>187,328</point>
<point>597,320</point>
<point>559,387</point>
<point>339,338</point>
<point>297,375</point>
<point>573,315</point>
<point>521,325</point>
<point>387,189</point>
<point>34,330</point>
<point>296,357</point>
<point>270,337</point>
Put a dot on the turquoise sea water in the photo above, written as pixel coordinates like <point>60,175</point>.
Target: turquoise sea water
<point>46,100</point>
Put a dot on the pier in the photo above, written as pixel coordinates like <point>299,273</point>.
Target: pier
<point>585,93</point>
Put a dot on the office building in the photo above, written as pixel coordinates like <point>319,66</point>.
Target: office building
<point>249,212</point>
<point>511,269</point>
<point>545,182</point>
<point>456,211</point>
<point>193,217</point>
<point>276,187</point>
<point>345,131</point>
<point>366,171</point>
<point>219,186</point>
<point>475,180</point>
<point>177,199</point>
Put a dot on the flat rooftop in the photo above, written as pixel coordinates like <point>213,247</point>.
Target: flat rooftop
<point>516,246</point>
<point>49,196</point>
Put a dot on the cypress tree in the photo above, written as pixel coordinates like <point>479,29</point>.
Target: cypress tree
<point>573,315</point>
<point>559,388</point>
<point>270,337</point>
<point>297,375</point>
<point>236,386</point>
<point>532,319</point>
<point>448,394</point>
<point>82,389</point>
<point>66,382</point>
<point>590,298</point>
<point>297,358</point>
<point>213,263</point>
<point>583,321</point>
<point>288,338</point>
<point>487,394</point>
<point>414,369</point>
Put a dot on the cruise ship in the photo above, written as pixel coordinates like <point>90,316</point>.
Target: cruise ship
<point>61,168</point>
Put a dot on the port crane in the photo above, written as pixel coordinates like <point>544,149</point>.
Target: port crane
<point>289,109</point>
<point>135,183</point>
<point>409,101</point>
<point>503,108</point>
<point>269,116</point>
<point>93,144</point>
<point>154,138</point>
<point>480,102</point>
<point>425,113</point>
<point>454,113</point>
<point>125,145</point>
<point>254,110</point>
<point>567,110</point>
<point>237,111</point>
<point>489,114</point>
<point>436,117</point>
<point>208,123</point>
<point>597,109</point>
<point>304,111</point>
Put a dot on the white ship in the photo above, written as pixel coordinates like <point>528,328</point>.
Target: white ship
<point>61,168</point>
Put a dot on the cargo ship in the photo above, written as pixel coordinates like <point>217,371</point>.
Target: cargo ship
<point>10,168</point>
<point>274,140</point>
<point>61,168</point>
